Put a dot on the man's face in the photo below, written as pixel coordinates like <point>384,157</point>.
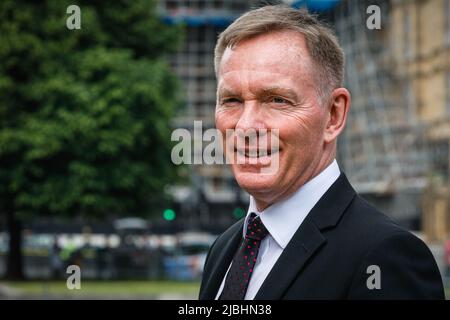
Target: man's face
<point>267,82</point>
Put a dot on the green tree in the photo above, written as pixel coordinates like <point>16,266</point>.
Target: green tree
<point>84,114</point>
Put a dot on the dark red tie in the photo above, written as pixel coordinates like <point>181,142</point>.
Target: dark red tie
<point>238,277</point>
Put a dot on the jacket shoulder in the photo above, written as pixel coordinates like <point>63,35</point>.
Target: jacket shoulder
<point>407,267</point>
<point>368,223</point>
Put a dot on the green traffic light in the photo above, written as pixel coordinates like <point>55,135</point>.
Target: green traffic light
<point>169,215</point>
<point>238,213</point>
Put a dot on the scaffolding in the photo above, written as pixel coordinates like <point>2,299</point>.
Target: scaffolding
<point>382,149</point>
<point>212,187</point>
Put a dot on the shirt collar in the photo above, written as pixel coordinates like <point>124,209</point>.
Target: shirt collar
<point>282,219</point>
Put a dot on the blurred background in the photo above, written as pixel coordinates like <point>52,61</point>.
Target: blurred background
<point>86,117</point>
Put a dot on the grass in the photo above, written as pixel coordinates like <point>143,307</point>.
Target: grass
<point>134,289</point>
<point>150,289</point>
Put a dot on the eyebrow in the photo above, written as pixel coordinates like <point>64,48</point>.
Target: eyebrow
<point>274,90</point>
<point>226,92</point>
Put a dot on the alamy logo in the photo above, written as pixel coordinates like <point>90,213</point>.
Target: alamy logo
<point>374,20</point>
<point>74,280</point>
<point>374,280</point>
<point>74,20</point>
<point>259,147</point>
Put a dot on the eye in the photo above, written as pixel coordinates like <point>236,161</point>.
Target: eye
<point>228,101</point>
<point>278,100</point>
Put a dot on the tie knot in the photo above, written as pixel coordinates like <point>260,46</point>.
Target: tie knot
<point>255,228</point>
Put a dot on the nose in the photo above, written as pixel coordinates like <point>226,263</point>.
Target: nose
<point>251,126</point>
<point>251,117</point>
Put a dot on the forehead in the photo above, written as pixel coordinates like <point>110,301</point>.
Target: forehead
<point>280,54</point>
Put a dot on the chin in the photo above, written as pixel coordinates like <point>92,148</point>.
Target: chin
<point>255,182</point>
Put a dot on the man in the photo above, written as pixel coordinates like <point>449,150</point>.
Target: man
<point>307,234</point>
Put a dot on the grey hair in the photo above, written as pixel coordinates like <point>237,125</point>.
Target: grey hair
<point>323,46</point>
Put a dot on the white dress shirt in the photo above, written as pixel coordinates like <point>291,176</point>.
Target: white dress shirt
<point>282,219</point>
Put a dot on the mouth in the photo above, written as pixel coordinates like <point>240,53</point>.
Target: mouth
<point>255,153</point>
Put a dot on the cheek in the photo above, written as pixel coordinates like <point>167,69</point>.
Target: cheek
<point>226,119</point>
<point>301,129</point>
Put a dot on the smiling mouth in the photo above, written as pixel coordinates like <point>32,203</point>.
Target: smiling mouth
<point>255,154</point>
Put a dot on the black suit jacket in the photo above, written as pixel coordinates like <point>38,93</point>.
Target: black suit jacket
<point>330,254</point>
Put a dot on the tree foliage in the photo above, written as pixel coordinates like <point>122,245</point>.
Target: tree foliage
<point>84,114</point>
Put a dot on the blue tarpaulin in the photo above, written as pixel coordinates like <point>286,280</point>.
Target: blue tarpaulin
<point>224,20</point>
<point>200,20</point>
<point>316,5</point>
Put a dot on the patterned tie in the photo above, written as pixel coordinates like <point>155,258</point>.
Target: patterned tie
<point>238,277</point>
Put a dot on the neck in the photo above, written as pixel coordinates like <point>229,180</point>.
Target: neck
<point>262,203</point>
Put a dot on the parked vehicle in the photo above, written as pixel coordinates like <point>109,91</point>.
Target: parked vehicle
<point>187,259</point>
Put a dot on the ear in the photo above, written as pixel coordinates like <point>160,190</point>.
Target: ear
<point>338,108</point>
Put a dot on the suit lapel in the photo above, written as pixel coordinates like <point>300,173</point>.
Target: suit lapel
<point>221,264</point>
<point>307,240</point>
